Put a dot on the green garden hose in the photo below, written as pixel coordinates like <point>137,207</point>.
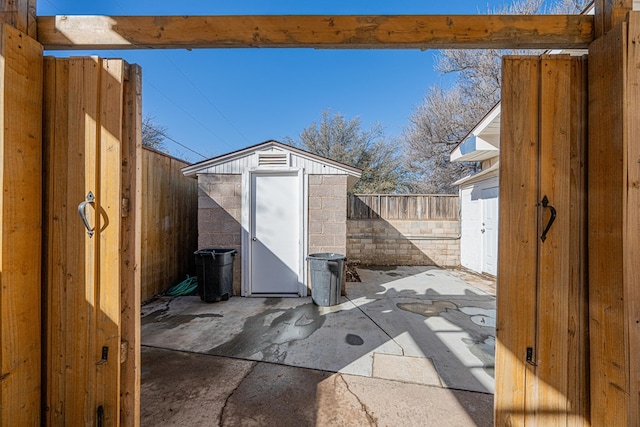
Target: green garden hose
<point>186,287</point>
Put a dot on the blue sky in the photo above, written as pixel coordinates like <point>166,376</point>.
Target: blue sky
<point>217,101</point>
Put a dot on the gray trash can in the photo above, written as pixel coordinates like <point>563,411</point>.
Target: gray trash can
<point>214,268</point>
<point>326,277</point>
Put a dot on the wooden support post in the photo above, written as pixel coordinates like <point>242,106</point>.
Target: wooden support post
<point>20,227</point>
<point>20,14</point>
<point>609,13</point>
<point>614,225</point>
<point>130,299</point>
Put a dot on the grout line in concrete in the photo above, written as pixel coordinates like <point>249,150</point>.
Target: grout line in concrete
<point>376,323</point>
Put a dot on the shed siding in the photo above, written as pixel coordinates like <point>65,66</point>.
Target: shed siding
<point>250,161</point>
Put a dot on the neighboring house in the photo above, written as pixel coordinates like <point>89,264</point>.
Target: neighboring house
<point>479,192</point>
<point>479,195</point>
<point>274,204</point>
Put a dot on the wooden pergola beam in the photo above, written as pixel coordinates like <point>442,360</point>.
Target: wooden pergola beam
<point>317,31</point>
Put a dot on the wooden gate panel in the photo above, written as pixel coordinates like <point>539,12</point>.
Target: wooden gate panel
<point>542,345</point>
<point>20,227</point>
<point>88,273</point>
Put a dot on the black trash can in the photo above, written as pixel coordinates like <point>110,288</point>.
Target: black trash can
<point>214,268</point>
<point>326,277</point>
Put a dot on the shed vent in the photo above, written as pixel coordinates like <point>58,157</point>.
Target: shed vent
<point>273,159</point>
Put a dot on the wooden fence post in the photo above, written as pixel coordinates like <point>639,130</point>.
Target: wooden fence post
<point>20,227</point>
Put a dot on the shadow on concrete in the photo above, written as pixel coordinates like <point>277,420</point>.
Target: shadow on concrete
<point>416,327</point>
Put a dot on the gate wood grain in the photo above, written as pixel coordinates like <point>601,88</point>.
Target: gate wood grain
<point>542,292</point>
<point>561,393</point>
<point>517,241</point>
<point>20,227</point>
<point>87,278</point>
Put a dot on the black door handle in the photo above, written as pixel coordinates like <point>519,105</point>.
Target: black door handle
<point>545,204</point>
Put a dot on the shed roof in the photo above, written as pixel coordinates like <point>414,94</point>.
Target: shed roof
<point>272,154</point>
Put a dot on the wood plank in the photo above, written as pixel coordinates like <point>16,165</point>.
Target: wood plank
<point>108,231</point>
<point>317,31</point>
<point>561,383</point>
<point>20,14</point>
<point>631,219</point>
<point>55,140</point>
<point>608,345</point>
<point>609,13</point>
<point>517,243</point>
<point>21,80</point>
<point>81,323</point>
<point>577,323</point>
<point>131,247</point>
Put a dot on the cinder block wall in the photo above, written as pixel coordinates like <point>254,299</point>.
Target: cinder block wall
<point>404,242</point>
<point>220,217</point>
<point>328,214</point>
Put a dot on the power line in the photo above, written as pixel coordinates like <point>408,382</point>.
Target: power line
<point>206,98</point>
<point>184,111</point>
<point>54,6</point>
<point>180,144</point>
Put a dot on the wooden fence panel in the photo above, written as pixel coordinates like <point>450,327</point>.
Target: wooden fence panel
<point>403,206</point>
<point>20,227</point>
<point>169,223</point>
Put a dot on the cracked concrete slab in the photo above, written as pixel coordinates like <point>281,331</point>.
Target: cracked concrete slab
<point>438,317</point>
<point>180,388</point>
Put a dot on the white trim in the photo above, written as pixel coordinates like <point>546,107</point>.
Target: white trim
<point>304,220</point>
<point>487,173</point>
<point>245,266</point>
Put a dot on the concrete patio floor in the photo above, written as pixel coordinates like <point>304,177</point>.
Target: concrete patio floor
<point>406,346</point>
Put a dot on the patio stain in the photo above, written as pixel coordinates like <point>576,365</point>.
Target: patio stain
<point>353,339</point>
<point>160,316</point>
<point>427,310</point>
<point>269,331</point>
<point>484,350</point>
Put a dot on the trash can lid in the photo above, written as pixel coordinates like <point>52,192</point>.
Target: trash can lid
<point>327,256</point>
<point>215,251</point>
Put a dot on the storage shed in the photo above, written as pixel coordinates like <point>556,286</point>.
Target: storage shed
<point>274,204</point>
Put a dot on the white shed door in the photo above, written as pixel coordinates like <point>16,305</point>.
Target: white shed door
<point>490,230</point>
<point>275,235</point>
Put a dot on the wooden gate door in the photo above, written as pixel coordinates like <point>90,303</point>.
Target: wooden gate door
<point>542,365</point>
<point>92,245</point>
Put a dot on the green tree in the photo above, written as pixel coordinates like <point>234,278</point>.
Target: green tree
<point>337,138</point>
